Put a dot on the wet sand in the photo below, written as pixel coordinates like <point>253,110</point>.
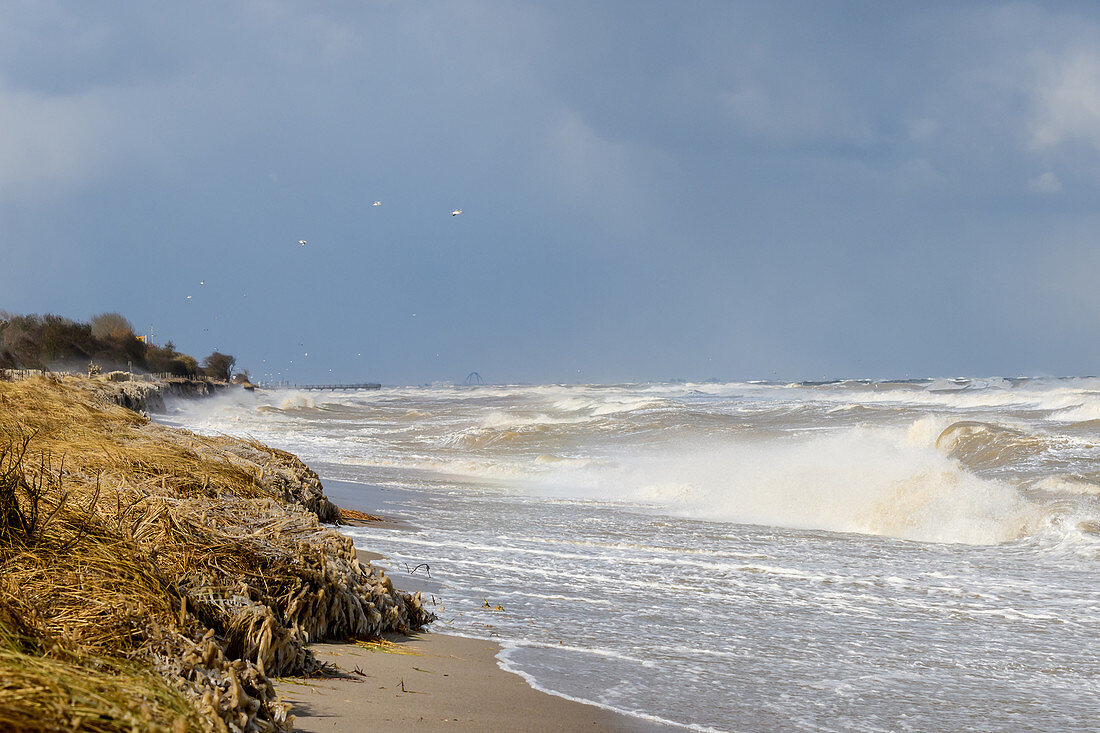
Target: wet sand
<point>430,681</point>
<point>435,682</point>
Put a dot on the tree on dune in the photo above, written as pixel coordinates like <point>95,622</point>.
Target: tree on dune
<point>111,326</point>
<point>219,366</point>
<point>167,359</point>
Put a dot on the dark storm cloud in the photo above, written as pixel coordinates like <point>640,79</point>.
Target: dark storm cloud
<point>650,189</point>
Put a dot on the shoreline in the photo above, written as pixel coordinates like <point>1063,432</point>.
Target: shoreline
<point>459,682</point>
<point>157,579</point>
<point>435,681</point>
<point>226,641</point>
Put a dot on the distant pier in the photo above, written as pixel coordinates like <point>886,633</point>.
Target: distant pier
<point>333,387</point>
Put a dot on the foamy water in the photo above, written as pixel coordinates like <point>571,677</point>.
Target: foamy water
<point>843,556</point>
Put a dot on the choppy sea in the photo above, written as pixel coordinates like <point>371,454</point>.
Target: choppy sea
<point>844,556</point>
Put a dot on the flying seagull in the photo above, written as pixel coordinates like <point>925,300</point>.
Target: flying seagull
<point>302,242</point>
<point>202,282</point>
<point>456,212</point>
<point>377,203</point>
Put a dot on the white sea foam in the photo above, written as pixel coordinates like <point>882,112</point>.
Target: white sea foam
<point>504,657</point>
<point>883,480</point>
<point>510,420</point>
<point>740,539</point>
<point>875,481</point>
<point>1068,485</point>
<point>1087,409</point>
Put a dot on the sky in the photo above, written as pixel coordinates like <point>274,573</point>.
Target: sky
<point>650,190</point>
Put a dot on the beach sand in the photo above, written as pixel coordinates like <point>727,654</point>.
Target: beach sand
<point>435,682</point>
<point>430,681</point>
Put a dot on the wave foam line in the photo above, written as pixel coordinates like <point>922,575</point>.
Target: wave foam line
<point>506,663</point>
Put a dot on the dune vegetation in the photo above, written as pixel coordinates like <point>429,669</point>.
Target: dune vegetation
<point>154,579</point>
<point>106,342</point>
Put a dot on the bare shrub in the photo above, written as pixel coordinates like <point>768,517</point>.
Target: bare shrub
<point>112,326</point>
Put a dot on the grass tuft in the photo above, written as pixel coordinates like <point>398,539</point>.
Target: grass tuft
<point>152,579</point>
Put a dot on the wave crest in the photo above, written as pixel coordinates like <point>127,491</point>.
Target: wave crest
<point>980,445</point>
<point>869,481</point>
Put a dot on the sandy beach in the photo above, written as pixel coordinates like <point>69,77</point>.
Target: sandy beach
<point>231,551</point>
<point>430,682</point>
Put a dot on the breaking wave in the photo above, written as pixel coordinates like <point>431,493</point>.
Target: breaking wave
<point>957,461</point>
<point>765,539</point>
<point>870,481</point>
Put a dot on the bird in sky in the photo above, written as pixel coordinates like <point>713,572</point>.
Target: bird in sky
<point>302,242</point>
<point>202,282</point>
<point>377,203</point>
<point>189,297</point>
<point>456,212</point>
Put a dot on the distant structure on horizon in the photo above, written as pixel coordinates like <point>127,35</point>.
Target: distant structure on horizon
<point>473,378</point>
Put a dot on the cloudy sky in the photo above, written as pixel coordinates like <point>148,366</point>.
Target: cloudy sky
<point>651,190</point>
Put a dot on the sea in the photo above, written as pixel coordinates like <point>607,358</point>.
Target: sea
<point>843,556</point>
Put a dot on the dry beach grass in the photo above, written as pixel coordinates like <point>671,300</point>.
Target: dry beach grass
<point>153,579</point>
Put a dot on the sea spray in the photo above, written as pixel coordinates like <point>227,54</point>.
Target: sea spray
<point>869,480</point>
<point>846,556</point>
